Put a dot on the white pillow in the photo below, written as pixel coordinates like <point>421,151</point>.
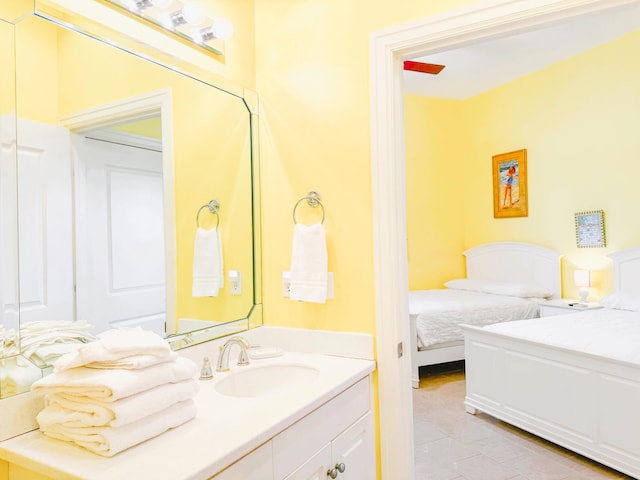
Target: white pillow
<point>466,284</point>
<point>621,301</point>
<point>521,290</point>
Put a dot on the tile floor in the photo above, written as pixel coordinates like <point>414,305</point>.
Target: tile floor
<point>451,444</point>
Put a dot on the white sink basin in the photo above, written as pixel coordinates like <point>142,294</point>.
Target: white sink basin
<point>266,380</point>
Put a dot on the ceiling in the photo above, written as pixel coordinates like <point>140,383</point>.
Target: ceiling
<point>476,68</point>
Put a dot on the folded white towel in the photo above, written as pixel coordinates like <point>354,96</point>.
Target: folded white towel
<point>110,385</point>
<point>309,264</point>
<point>74,411</point>
<point>208,268</point>
<point>107,441</point>
<point>119,348</point>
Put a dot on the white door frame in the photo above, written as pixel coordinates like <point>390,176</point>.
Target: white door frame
<point>387,49</point>
<point>149,104</point>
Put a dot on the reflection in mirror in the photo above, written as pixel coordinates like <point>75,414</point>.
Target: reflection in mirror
<point>116,154</point>
<point>9,313</point>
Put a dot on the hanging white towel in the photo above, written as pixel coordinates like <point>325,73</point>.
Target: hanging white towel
<point>309,264</point>
<point>208,268</point>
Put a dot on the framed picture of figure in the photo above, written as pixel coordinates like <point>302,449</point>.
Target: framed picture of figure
<point>510,184</point>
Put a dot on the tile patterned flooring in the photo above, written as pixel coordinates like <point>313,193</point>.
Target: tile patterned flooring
<point>451,444</point>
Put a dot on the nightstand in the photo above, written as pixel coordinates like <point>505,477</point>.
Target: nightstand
<point>563,306</point>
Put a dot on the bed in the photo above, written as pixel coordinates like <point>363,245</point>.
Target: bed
<point>571,379</point>
<point>435,315</point>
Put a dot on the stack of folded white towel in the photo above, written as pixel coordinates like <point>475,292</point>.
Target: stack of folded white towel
<point>116,392</point>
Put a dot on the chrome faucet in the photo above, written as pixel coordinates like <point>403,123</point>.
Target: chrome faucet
<point>223,356</point>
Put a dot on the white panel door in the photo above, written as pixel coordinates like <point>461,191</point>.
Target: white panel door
<point>120,236</point>
<point>45,222</point>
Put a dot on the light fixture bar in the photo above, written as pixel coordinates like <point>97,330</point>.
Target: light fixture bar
<point>186,20</point>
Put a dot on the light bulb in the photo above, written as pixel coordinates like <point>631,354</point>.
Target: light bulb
<point>136,5</point>
<point>198,35</point>
<point>222,29</point>
<point>193,13</point>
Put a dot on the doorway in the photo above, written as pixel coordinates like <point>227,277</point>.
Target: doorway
<point>143,198</point>
<point>387,49</point>
<point>120,255</point>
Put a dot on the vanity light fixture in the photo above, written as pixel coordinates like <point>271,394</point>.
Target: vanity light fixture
<point>186,19</point>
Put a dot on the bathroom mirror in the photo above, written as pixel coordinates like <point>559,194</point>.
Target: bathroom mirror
<point>109,158</point>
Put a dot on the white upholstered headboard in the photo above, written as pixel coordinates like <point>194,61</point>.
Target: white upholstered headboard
<point>626,271</point>
<point>516,262</point>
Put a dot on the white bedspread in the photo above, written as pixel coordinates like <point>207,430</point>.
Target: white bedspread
<point>440,312</point>
<point>605,332</point>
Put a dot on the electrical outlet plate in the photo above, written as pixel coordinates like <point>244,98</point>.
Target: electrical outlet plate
<point>235,282</point>
<point>286,283</point>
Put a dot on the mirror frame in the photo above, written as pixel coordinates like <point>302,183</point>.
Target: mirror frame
<point>53,11</point>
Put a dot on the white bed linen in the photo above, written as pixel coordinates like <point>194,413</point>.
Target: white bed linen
<point>440,312</point>
<point>605,332</point>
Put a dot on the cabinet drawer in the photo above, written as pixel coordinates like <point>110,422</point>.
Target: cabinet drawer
<point>309,435</point>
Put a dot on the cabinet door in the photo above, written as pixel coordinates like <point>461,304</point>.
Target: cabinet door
<point>356,450</point>
<point>258,465</point>
<point>315,468</point>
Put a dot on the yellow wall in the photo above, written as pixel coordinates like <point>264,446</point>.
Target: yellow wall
<point>7,75</point>
<point>313,80</point>
<point>577,122</point>
<point>435,171</point>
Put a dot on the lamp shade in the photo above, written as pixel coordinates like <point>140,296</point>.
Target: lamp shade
<point>582,278</point>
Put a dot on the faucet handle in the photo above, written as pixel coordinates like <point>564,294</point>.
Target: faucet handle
<point>206,373</point>
<point>243,358</point>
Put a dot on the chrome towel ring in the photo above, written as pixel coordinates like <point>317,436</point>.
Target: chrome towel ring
<point>214,207</point>
<point>313,200</point>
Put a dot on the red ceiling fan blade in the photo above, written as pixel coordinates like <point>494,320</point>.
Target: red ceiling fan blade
<point>431,68</point>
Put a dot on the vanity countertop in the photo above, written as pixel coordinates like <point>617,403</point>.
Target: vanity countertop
<point>225,429</point>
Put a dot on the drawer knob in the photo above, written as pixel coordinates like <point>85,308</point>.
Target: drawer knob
<point>339,468</point>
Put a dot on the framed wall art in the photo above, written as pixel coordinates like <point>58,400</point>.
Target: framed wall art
<point>590,229</point>
<point>510,184</point>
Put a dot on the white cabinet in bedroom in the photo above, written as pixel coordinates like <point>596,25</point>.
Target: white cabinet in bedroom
<point>564,306</point>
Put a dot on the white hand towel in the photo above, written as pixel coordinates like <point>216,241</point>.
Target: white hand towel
<point>107,441</point>
<point>309,264</point>
<point>132,348</point>
<point>110,385</point>
<point>74,411</point>
<point>208,268</point>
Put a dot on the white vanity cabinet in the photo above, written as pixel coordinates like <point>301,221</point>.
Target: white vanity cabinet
<point>349,457</point>
<point>338,432</point>
<point>258,465</point>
